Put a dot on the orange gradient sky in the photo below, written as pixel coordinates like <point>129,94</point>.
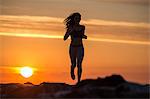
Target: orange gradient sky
<point>31,34</point>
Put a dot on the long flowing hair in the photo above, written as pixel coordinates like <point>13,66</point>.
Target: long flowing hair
<point>69,21</point>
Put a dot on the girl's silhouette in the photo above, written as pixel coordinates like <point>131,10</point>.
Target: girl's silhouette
<point>76,51</point>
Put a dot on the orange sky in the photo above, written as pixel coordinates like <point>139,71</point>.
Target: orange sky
<point>116,44</point>
<point>101,58</point>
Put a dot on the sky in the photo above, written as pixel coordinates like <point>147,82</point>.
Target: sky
<point>31,34</point>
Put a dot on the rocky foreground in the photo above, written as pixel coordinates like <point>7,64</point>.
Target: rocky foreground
<point>114,86</point>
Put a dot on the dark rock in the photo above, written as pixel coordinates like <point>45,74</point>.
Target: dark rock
<point>114,86</point>
<point>113,80</point>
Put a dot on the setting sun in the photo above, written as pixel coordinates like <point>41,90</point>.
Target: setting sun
<point>26,72</point>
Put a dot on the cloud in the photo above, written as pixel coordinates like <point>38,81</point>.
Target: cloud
<point>116,23</point>
<point>122,10</point>
<point>53,27</point>
<point>90,38</point>
<point>140,2</point>
<point>60,20</point>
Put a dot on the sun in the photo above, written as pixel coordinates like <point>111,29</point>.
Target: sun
<point>26,71</point>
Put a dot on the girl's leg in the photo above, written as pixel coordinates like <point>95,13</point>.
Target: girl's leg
<point>80,55</point>
<point>72,53</point>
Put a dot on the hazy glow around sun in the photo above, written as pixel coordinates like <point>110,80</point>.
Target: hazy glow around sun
<point>26,71</point>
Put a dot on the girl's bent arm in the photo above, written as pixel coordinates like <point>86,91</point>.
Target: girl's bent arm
<point>66,35</point>
<point>84,36</point>
<point>69,30</point>
<point>83,32</point>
